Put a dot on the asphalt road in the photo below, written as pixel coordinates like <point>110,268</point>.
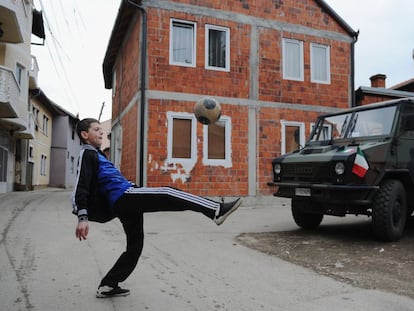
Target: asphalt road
<point>188,263</point>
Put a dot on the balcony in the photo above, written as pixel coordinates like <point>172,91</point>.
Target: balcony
<point>29,131</point>
<point>34,70</point>
<point>9,93</point>
<point>13,125</point>
<point>10,28</point>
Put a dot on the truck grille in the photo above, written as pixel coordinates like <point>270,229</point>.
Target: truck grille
<point>307,172</point>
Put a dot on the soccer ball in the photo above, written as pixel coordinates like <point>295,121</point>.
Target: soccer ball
<point>207,110</point>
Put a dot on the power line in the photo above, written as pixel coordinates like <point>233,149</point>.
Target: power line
<point>56,50</point>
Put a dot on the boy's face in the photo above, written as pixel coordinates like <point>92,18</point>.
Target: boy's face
<point>94,135</point>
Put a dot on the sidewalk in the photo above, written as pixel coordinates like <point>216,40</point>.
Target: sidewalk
<point>188,263</point>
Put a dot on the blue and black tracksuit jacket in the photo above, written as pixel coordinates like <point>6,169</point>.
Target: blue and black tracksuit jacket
<point>99,184</point>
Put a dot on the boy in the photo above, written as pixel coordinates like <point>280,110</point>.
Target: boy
<point>102,193</point>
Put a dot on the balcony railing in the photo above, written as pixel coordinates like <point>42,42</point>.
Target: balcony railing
<point>34,70</point>
<point>9,93</point>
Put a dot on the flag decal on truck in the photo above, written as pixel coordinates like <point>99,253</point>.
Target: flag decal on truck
<point>360,166</point>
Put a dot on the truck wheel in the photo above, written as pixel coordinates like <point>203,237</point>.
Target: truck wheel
<point>302,218</point>
<point>389,211</point>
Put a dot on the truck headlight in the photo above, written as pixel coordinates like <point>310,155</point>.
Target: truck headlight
<point>277,168</point>
<point>339,168</point>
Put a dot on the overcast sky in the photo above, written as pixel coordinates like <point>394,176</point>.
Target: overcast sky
<point>78,31</point>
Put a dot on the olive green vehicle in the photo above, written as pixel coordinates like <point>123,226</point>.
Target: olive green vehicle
<point>359,161</point>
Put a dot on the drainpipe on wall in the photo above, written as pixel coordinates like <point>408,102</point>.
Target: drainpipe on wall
<point>354,40</point>
<point>143,87</point>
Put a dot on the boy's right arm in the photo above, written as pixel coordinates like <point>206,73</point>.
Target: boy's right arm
<point>87,172</point>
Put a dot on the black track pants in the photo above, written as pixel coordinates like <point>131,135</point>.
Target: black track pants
<point>130,208</point>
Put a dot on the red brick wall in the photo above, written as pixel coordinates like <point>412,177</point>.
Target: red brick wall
<point>127,72</point>
<point>217,180</point>
<point>164,77</point>
<point>369,99</point>
<point>299,12</point>
<point>202,180</point>
<point>273,88</point>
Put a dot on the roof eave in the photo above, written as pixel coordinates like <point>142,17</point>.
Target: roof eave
<point>338,18</point>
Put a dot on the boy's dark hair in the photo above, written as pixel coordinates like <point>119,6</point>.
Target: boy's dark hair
<point>84,125</point>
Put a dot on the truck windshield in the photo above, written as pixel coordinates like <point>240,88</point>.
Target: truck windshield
<point>363,123</point>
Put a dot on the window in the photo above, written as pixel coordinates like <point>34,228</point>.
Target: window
<point>292,59</point>
<point>181,137</point>
<point>217,48</point>
<point>293,136</point>
<point>72,165</point>
<point>3,163</point>
<point>45,125</point>
<point>320,63</point>
<point>325,132</point>
<point>217,143</point>
<point>113,83</point>
<point>36,117</point>
<point>31,154</point>
<point>43,165</point>
<point>182,43</point>
<point>19,73</point>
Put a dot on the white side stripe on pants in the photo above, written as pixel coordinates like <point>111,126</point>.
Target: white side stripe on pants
<point>178,194</point>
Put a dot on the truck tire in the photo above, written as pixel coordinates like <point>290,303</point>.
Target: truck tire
<point>303,219</point>
<point>389,211</point>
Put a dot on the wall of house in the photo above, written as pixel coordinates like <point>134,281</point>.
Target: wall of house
<point>11,55</point>
<point>253,94</point>
<point>41,145</point>
<point>64,152</point>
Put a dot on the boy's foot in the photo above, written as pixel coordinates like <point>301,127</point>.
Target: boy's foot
<point>108,292</point>
<point>226,209</point>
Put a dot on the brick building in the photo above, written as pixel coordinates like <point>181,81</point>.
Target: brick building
<point>378,91</point>
<point>273,66</point>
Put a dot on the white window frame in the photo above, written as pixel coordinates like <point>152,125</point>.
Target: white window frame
<point>194,43</point>
<point>227,49</point>
<point>226,162</point>
<point>181,115</point>
<point>20,71</point>
<point>286,56</point>
<point>327,63</point>
<point>283,124</point>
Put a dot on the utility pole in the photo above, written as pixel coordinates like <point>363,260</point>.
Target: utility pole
<point>100,114</point>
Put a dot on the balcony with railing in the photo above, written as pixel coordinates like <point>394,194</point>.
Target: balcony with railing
<point>9,93</point>
<point>12,17</point>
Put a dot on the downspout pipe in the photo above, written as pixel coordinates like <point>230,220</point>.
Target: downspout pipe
<point>143,87</point>
<point>354,40</point>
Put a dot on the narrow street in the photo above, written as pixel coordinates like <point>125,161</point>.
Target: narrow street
<point>188,263</point>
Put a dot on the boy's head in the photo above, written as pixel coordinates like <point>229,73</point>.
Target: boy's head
<point>90,131</point>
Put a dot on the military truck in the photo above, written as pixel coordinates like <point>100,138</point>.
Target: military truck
<point>359,161</point>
